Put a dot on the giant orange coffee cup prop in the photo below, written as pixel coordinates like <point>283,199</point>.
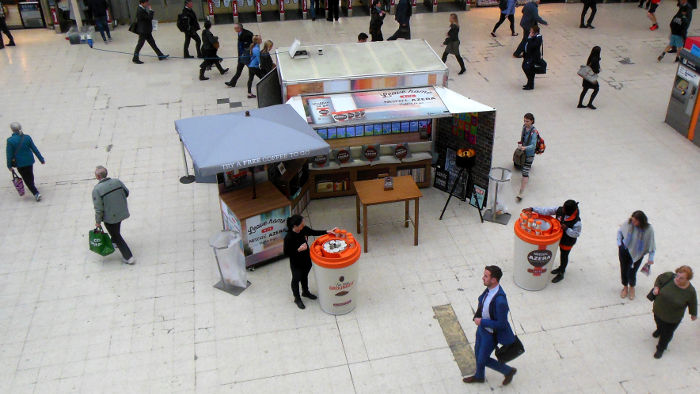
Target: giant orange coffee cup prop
<point>536,243</point>
<point>334,258</point>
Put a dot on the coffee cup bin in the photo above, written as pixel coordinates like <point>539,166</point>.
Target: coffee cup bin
<point>536,243</point>
<point>334,258</point>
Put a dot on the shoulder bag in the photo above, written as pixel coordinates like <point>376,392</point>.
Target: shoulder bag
<point>540,67</point>
<point>507,353</point>
<point>586,72</point>
<point>651,296</point>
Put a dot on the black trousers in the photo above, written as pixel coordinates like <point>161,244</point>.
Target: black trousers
<point>666,331</point>
<point>521,47</point>
<point>27,174</point>
<point>333,10</point>
<point>586,86</point>
<point>529,71</point>
<point>197,43</point>
<point>4,29</point>
<point>146,38</point>
<point>252,73</point>
<point>401,32</point>
<point>377,36</point>
<point>114,230</point>
<point>457,55</point>
<point>593,8</point>
<point>300,275</point>
<point>564,259</point>
<point>628,269</point>
<point>239,70</point>
<point>102,26</point>
<point>511,19</point>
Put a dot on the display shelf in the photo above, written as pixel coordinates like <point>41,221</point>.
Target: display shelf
<point>376,139</point>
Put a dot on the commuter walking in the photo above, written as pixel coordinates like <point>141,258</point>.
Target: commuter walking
<point>191,26</point>
<point>376,20</point>
<point>333,10</point>
<point>314,7</point>
<point>530,18</point>
<point>20,152</point>
<point>635,238</point>
<point>109,198</point>
<point>210,45</point>
<point>588,4</point>
<point>144,28</point>
<point>594,63</point>
<point>491,319</point>
<point>570,220</point>
<point>532,56</point>
<point>674,294</point>
<point>266,63</point>
<point>508,12</point>
<point>254,65</point>
<point>403,17</point>
<point>99,13</point>
<point>4,29</point>
<point>245,39</point>
<point>528,144</point>
<point>451,43</point>
<point>296,247</point>
<point>679,28</point>
<point>652,14</point>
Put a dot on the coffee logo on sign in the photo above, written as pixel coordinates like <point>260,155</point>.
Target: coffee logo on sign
<point>539,258</point>
<point>343,156</point>
<point>370,153</point>
<point>401,152</point>
<point>320,160</point>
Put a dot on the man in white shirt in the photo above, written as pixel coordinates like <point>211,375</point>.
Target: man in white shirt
<point>491,319</point>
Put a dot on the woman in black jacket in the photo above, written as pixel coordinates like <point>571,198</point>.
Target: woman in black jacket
<point>452,43</point>
<point>376,20</point>
<point>296,248</point>
<point>210,45</point>
<point>594,63</point>
<point>532,56</point>
<point>266,63</point>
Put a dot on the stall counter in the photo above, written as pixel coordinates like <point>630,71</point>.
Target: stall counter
<point>262,222</point>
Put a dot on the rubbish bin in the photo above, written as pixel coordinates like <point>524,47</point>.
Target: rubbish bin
<point>536,241</point>
<point>334,258</point>
<point>230,260</point>
<point>498,194</point>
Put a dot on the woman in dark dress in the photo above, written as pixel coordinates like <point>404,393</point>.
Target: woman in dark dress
<point>296,248</point>
<point>594,63</point>
<point>532,56</point>
<point>210,45</point>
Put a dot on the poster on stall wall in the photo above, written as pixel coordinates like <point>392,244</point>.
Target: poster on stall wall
<point>263,237</point>
<point>231,222</point>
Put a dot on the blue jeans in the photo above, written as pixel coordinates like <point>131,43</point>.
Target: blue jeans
<point>102,26</point>
<point>313,4</point>
<point>485,345</point>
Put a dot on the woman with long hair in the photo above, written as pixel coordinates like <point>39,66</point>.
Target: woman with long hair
<point>266,63</point>
<point>635,239</point>
<point>254,65</point>
<point>594,63</point>
<point>451,43</point>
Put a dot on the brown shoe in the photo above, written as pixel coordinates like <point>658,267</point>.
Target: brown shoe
<point>472,379</point>
<point>509,377</point>
<point>623,293</point>
<point>631,293</point>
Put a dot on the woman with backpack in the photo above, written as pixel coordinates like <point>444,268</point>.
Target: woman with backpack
<point>451,43</point>
<point>594,63</point>
<point>210,45</point>
<point>527,144</point>
<point>507,11</point>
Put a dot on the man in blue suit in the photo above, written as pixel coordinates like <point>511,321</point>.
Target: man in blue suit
<point>531,17</point>
<point>492,320</point>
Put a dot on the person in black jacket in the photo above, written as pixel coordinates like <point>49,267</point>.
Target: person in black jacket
<point>245,39</point>
<point>333,10</point>
<point>296,247</point>
<point>679,30</point>
<point>99,13</point>
<point>266,63</point>
<point>586,5</point>
<point>452,43</point>
<point>210,45</point>
<point>4,29</point>
<point>594,63</point>
<point>191,33</point>
<point>376,20</point>
<point>144,28</point>
<point>403,17</point>
<point>532,56</point>
<point>531,17</point>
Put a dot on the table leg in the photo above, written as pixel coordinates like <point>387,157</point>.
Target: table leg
<point>357,212</point>
<point>406,218</point>
<point>415,222</point>
<point>364,225</point>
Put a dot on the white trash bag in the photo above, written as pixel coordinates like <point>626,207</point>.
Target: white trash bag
<point>229,255</point>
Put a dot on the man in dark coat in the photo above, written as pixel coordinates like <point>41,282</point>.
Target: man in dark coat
<point>403,17</point>
<point>586,5</point>
<point>99,13</point>
<point>245,39</point>
<point>4,29</point>
<point>333,10</point>
<point>144,28</point>
<point>530,17</point>
<point>192,32</point>
<point>210,44</point>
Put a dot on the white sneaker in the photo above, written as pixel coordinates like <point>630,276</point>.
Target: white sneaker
<point>131,260</point>
<point>38,197</point>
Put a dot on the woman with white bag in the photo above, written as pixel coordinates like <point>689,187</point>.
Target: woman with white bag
<point>589,73</point>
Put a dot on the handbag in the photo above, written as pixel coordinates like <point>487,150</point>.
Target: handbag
<point>586,72</point>
<point>651,296</point>
<point>540,67</point>
<point>510,352</point>
<point>100,242</point>
<point>18,183</point>
<point>519,157</point>
<point>132,28</point>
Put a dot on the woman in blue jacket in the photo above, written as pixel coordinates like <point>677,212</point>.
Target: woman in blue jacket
<point>20,154</point>
<point>508,12</point>
<point>254,65</point>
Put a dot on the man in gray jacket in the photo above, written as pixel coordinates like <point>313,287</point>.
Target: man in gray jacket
<point>530,17</point>
<point>109,197</point>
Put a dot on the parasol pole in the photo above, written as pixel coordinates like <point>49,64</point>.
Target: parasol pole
<point>187,178</point>
<point>252,170</point>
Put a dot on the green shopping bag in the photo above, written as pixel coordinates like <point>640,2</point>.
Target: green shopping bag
<point>100,242</point>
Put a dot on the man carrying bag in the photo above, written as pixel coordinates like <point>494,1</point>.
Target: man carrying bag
<point>109,198</point>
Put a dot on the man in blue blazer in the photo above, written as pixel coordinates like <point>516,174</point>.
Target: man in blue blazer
<point>491,319</point>
<point>531,17</point>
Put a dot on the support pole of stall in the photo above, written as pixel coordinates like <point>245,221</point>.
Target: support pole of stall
<point>187,179</point>
<point>252,171</point>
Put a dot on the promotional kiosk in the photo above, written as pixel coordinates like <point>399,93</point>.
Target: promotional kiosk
<point>536,244</point>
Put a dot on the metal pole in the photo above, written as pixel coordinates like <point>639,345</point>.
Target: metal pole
<point>459,176</point>
<point>187,179</point>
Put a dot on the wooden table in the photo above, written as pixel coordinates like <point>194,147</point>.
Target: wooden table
<point>372,192</point>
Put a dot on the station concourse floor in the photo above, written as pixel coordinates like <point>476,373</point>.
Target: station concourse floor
<point>71,321</point>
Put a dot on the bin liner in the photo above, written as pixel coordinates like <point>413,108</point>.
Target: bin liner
<point>229,255</point>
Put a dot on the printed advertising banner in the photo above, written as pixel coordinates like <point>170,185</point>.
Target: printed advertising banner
<point>373,106</point>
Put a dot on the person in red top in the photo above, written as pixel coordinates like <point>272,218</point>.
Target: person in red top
<point>651,15</point>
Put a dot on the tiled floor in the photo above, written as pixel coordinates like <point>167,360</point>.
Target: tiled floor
<point>72,321</point>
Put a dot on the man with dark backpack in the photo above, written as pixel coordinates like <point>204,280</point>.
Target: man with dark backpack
<point>187,23</point>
